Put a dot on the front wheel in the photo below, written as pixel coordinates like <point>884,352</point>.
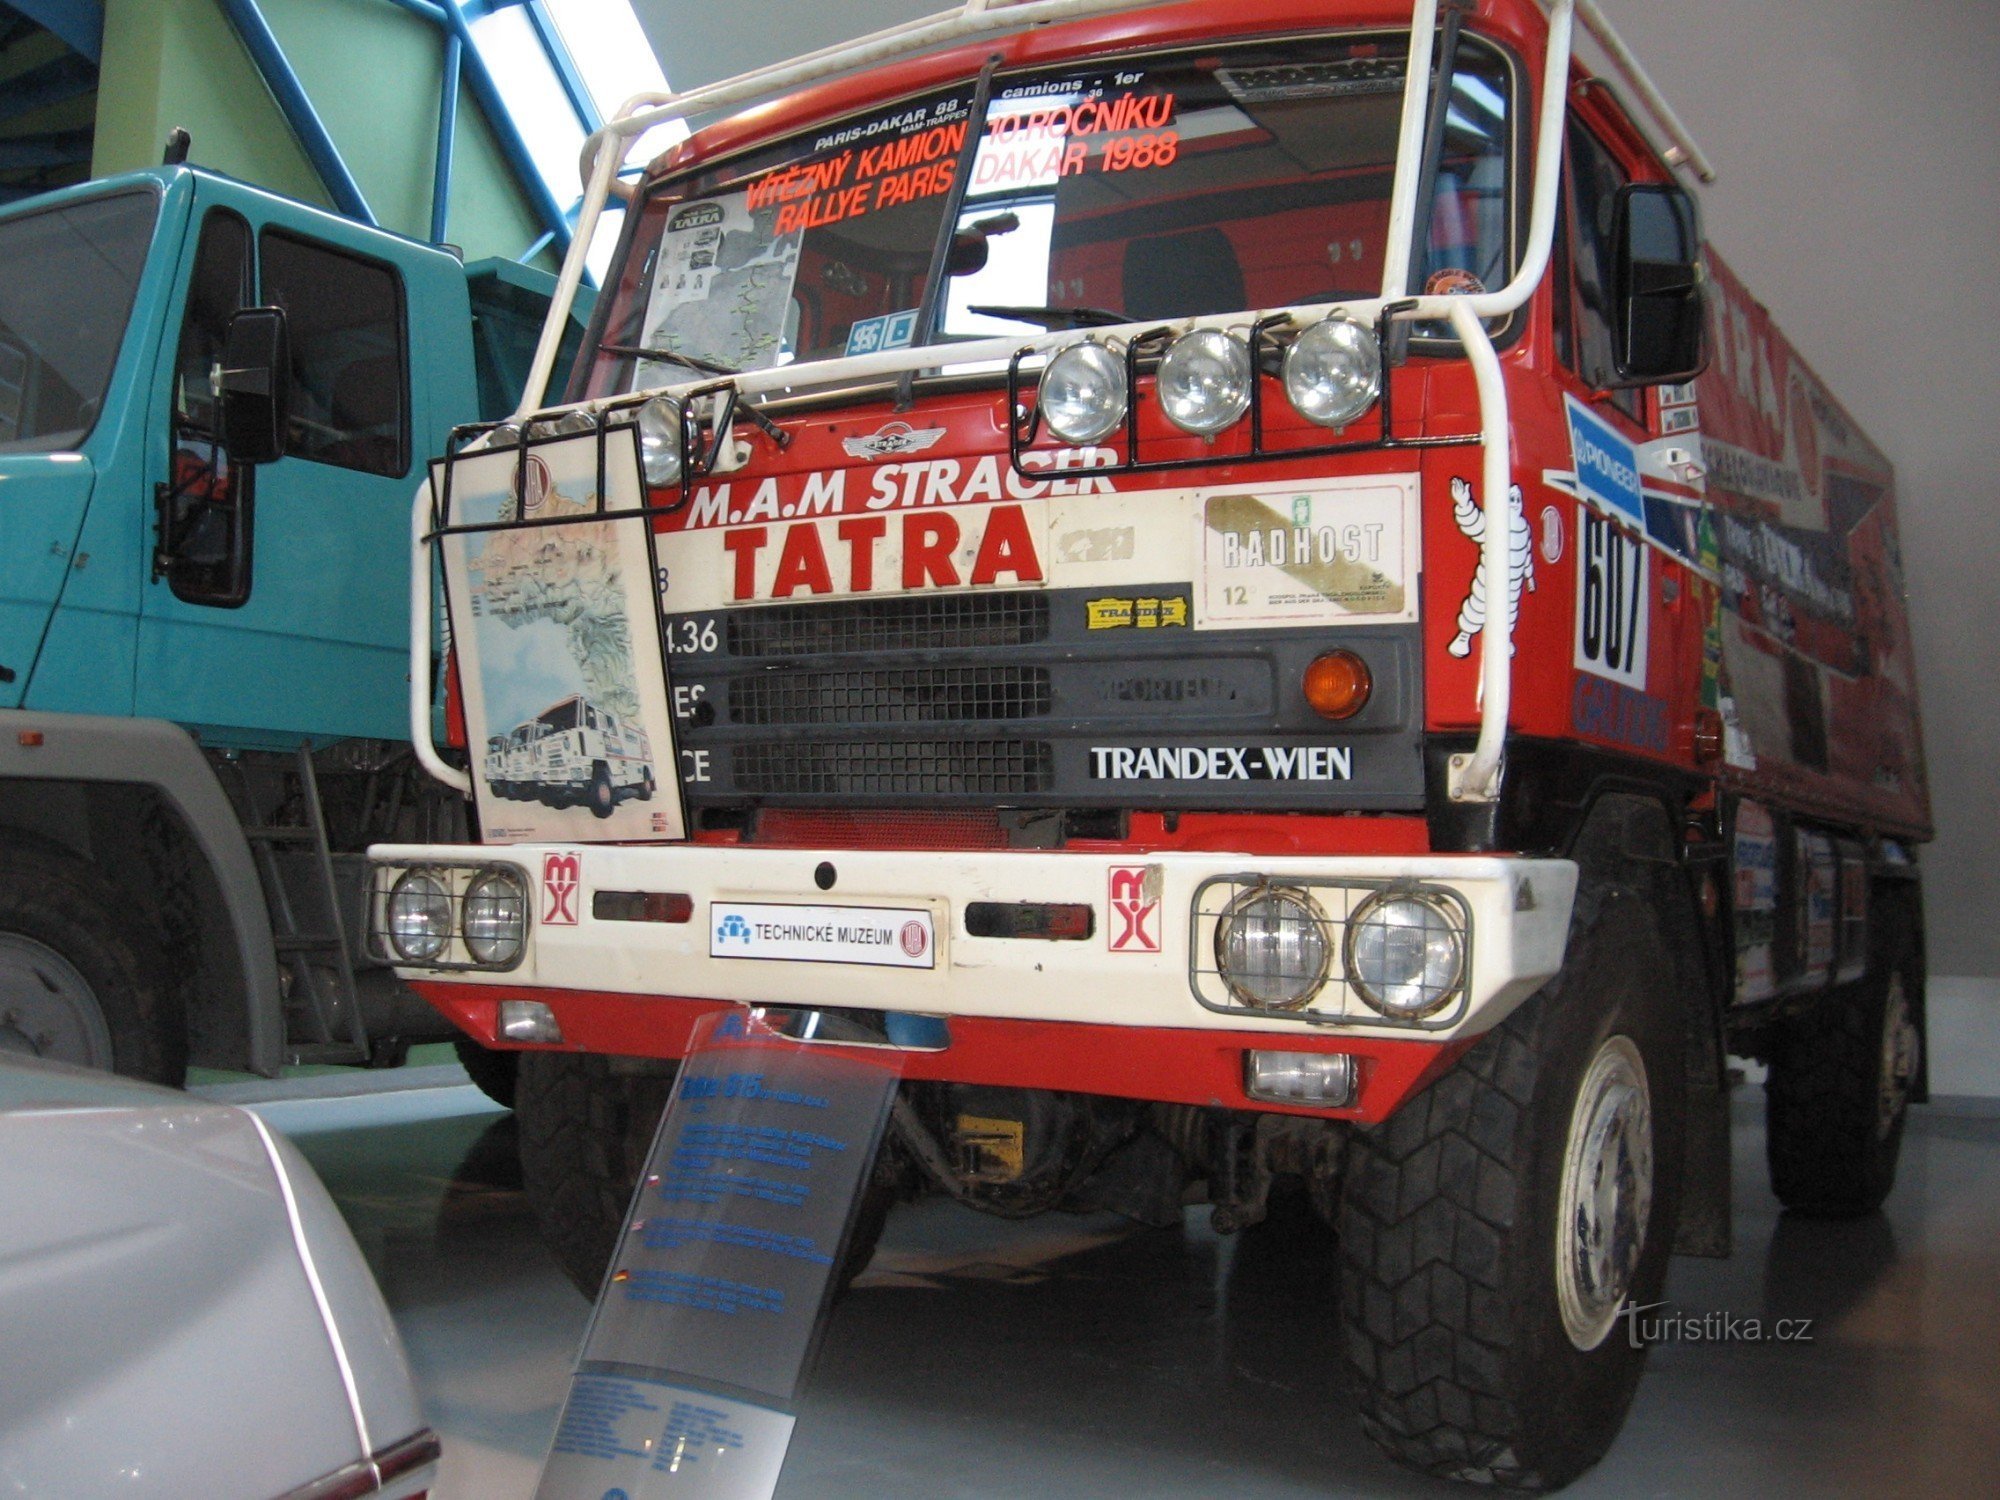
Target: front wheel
<point>75,984</point>
<point>1495,1231</point>
<point>601,796</point>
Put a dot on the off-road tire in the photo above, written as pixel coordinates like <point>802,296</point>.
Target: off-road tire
<point>585,1130</point>
<point>51,898</point>
<point>495,1070</point>
<point>1448,1226</point>
<point>603,798</point>
<point>1832,1148</point>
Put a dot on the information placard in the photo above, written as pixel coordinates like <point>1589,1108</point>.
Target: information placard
<point>717,1295</point>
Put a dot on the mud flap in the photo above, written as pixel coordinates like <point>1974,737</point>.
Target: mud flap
<point>1704,1227</point>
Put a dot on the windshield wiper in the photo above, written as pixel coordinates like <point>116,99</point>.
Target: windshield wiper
<point>1055,317</point>
<point>671,356</point>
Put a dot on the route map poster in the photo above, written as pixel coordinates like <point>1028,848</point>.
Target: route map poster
<point>717,1296</point>
<point>567,715</point>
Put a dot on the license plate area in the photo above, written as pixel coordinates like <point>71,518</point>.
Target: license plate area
<point>891,937</point>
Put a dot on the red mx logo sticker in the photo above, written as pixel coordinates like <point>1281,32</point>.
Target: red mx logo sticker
<point>1135,909</point>
<point>562,876</point>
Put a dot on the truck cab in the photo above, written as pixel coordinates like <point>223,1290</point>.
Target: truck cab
<point>190,614</point>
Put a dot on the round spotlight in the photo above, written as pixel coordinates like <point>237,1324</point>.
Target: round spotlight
<point>419,917</point>
<point>1405,953</point>
<point>1337,685</point>
<point>505,435</point>
<point>1333,372</point>
<point>496,917</point>
<point>1083,393</point>
<point>1271,948</point>
<point>660,441</point>
<point>563,424</point>
<point>1204,382</point>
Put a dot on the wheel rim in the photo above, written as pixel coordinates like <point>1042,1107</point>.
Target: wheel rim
<point>1901,1050</point>
<point>48,1009</point>
<point>1607,1192</point>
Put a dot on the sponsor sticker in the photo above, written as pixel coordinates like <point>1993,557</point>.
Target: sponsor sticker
<point>1134,900</point>
<point>884,936</point>
<point>1222,762</point>
<point>1607,464</point>
<point>890,331</point>
<point>1321,556</point>
<point>1138,613</point>
<point>562,884</point>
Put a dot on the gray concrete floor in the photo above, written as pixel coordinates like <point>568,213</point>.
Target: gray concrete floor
<point>1073,1356</point>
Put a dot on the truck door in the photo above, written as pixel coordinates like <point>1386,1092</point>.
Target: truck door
<point>1637,635</point>
<point>300,628</point>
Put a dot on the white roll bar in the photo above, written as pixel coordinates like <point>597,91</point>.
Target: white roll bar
<point>1475,778</point>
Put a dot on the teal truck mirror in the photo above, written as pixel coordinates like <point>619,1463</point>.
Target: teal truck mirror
<point>256,385</point>
<point>1658,284</point>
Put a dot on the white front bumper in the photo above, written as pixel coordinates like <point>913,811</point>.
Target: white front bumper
<point>1519,919</point>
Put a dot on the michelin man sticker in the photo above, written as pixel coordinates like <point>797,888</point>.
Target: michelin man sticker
<point>1520,560</point>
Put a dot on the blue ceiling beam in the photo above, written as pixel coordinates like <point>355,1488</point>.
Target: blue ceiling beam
<point>56,148</point>
<point>297,109</point>
<point>77,24</point>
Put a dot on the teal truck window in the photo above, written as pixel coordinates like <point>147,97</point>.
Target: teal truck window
<point>350,377</point>
<point>67,277</point>
<point>206,488</point>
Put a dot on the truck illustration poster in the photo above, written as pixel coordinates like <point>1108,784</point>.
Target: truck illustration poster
<point>566,703</point>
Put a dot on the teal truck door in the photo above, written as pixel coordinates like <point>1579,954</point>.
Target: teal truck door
<point>282,614</point>
<point>72,271</point>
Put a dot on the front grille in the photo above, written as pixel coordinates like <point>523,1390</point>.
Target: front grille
<point>941,768</point>
<point>911,695</point>
<point>945,622</point>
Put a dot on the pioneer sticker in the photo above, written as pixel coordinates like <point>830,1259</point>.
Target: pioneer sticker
<point>885,936</point>
<point>1222,762</point>
<point>1340,551</point>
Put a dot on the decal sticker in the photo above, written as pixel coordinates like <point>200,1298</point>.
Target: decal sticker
<point>1611,711</point>
<point>562,881</point>
<point>1821,871</point>
<point>1222,762</point>
<point>1322,556</point>
<point>1135,909</point>
<point>890,439</point>
<point>1136,614</point>
<point>1611,601</point>
<point>1756,904</point>
<point>881,936</point>
<point>986,547</point>
<point>1471,518</point>
<point>1453,282</point>
<point>1607,464</point>
<point>890,331</point>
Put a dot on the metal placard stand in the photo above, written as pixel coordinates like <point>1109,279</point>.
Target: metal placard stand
<point>717,1296</point>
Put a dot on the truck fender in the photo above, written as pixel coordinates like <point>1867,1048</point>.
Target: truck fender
<point>163,758</point>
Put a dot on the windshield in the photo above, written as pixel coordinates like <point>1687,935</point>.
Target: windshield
<point>67,278</point>
<point>1217,181</point>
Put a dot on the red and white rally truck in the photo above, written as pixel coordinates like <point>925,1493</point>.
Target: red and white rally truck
<point>1235,582</point>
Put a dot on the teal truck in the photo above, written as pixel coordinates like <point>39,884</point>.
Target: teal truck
<point>215,404</point>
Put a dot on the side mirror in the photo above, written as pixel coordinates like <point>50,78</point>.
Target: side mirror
<point>1657,285</point>
<point>256,385</point>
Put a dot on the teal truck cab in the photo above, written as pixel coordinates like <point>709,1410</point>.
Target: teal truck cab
<point>214,405</point>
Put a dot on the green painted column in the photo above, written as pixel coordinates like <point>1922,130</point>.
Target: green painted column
<point>373,72</point>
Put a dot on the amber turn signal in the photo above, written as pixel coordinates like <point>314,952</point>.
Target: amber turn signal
<point>1338,684</point>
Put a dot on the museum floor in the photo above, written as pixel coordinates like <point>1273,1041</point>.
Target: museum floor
<point>1073,1356</point>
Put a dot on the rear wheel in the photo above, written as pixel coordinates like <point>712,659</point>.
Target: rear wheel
<point>1840,1080</point>
<point>1493,1231</point>
<point>77,985</point>
<point>602,798</point>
